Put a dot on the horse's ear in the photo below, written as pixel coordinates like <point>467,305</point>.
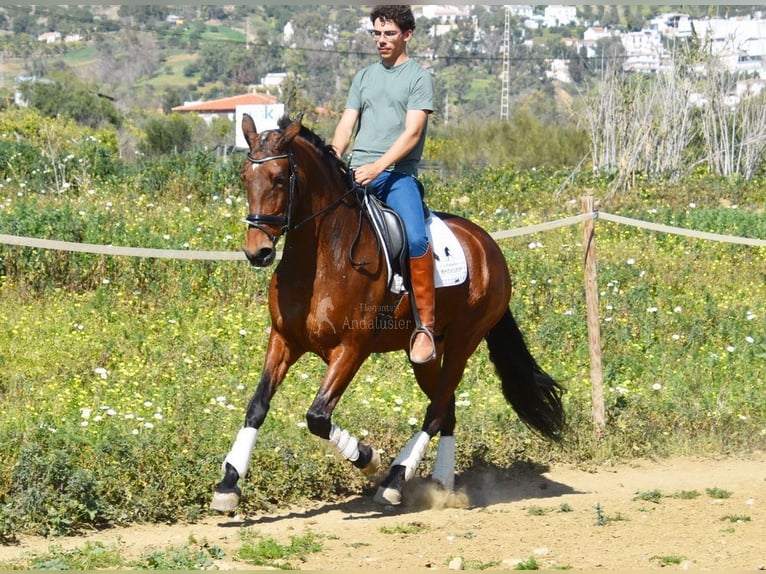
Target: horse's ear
<point>248,129</point>
<point>292,130</point>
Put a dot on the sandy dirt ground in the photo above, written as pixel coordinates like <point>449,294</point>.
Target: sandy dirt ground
<point>623,517</point>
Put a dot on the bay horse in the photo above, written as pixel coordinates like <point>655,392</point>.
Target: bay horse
<point>330,295</point>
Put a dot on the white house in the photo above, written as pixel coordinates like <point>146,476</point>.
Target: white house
<point>49,37</point>
<point>671,25</point>
<point>559,70</point>
<point>558,15</point>
<point>521,10</point>
<point>446,14</point>
<point>739,43</point>
<point>273,79</point>
<point>592,35</point>
<point>643,49</point>
<point>227,107</point>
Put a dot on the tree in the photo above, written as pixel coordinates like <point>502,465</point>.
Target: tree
<point>577,66</point>
<point>294,97</point>
<point>68,96</point>
<point>145,13</point>
<point>173,97</point>
<point>609,52</point>
<point>24,24</point>
<point>167,134</point>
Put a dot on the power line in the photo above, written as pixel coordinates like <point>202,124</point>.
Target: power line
<point>421,56</point>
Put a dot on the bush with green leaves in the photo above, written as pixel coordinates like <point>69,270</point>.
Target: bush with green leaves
<point>52,495</point>
<point>68,96</point>
<point>41,155</point>
<point>170,134</point>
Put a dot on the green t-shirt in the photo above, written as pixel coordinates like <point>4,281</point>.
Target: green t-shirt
<point>382,96</point>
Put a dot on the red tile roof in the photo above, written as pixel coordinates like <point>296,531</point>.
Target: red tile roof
<point>227,104</point>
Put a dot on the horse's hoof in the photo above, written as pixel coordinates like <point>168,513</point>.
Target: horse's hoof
<point>224,501</point>
<point>446,481</point>
<point>388,495</point>
<point>374,464</point>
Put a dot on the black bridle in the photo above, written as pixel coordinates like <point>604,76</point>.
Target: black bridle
<point>258,220</point>
<point>284,222</point>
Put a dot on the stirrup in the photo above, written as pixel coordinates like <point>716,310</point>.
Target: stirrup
<point>430,335</point>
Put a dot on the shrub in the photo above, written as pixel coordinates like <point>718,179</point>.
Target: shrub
<point>49,495</point>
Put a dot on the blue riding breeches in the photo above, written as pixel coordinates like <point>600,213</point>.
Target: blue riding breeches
<point>404,194</point>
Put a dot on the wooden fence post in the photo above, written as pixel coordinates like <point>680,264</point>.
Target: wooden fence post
<point>594,328</point>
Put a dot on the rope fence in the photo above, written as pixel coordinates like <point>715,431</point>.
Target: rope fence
<point>681,230</point>
<point>120,251</point>
<point>588,218</point>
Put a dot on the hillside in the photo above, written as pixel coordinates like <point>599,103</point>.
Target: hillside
<point>155,56</point>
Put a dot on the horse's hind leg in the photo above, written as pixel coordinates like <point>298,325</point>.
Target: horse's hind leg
<point>444,463</point>
<point>439,383</point>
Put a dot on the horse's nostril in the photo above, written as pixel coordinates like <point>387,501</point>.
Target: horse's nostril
<point>261,258</point>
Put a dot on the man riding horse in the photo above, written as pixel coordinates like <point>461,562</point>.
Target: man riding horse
<point>388,104</point>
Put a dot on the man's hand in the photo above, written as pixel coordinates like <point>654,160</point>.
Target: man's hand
<point>365,174</point>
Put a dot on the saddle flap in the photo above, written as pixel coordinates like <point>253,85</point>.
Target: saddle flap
<point>390,229</point>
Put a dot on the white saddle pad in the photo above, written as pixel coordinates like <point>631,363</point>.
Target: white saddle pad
<point>450,266</point>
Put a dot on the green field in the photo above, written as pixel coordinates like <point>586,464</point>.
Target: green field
<point>125,380</point>
<point>171,73</point>
<point>85,55</point>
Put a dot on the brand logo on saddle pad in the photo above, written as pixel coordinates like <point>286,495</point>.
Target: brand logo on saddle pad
<point>450,266</point>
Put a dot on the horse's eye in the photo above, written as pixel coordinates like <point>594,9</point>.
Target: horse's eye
<point>281,180</point>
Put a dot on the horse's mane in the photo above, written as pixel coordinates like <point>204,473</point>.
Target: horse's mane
<point>316,141</point>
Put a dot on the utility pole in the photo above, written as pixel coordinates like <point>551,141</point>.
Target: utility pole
<point>506,75</point>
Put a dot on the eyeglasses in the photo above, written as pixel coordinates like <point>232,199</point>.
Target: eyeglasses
<point>388,34</point>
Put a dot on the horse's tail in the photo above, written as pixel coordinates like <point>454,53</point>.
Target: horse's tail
<point>532,393</point>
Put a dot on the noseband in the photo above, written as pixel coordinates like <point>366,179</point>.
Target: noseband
<point>258,220</point>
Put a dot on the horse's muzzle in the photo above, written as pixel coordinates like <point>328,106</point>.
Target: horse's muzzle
<point>263,257</point>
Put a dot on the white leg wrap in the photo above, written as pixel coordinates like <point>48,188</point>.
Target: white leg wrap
<point>239,455</point>
<point>347,445</point>
<point>412,454</point>
<point>444,465</point>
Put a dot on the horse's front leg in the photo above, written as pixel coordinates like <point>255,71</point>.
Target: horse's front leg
<point>278,359</point>
<point>339,373</point>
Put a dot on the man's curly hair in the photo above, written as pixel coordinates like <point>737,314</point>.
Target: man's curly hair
<point>399,14</point>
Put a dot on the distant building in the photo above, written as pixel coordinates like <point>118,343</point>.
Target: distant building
<point>49,37</point>
<point>672,25</point>
<point>225,107</point>
<point>644,50</point>
<point>445,14</point>
<point>533,22</point>
<point>273,79</point>
<point>557,15</point>
<point>53,37</point>
<point>739,43</point>
<point>521,10</point>
<point>559,70</point>
<point>591,37</point>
